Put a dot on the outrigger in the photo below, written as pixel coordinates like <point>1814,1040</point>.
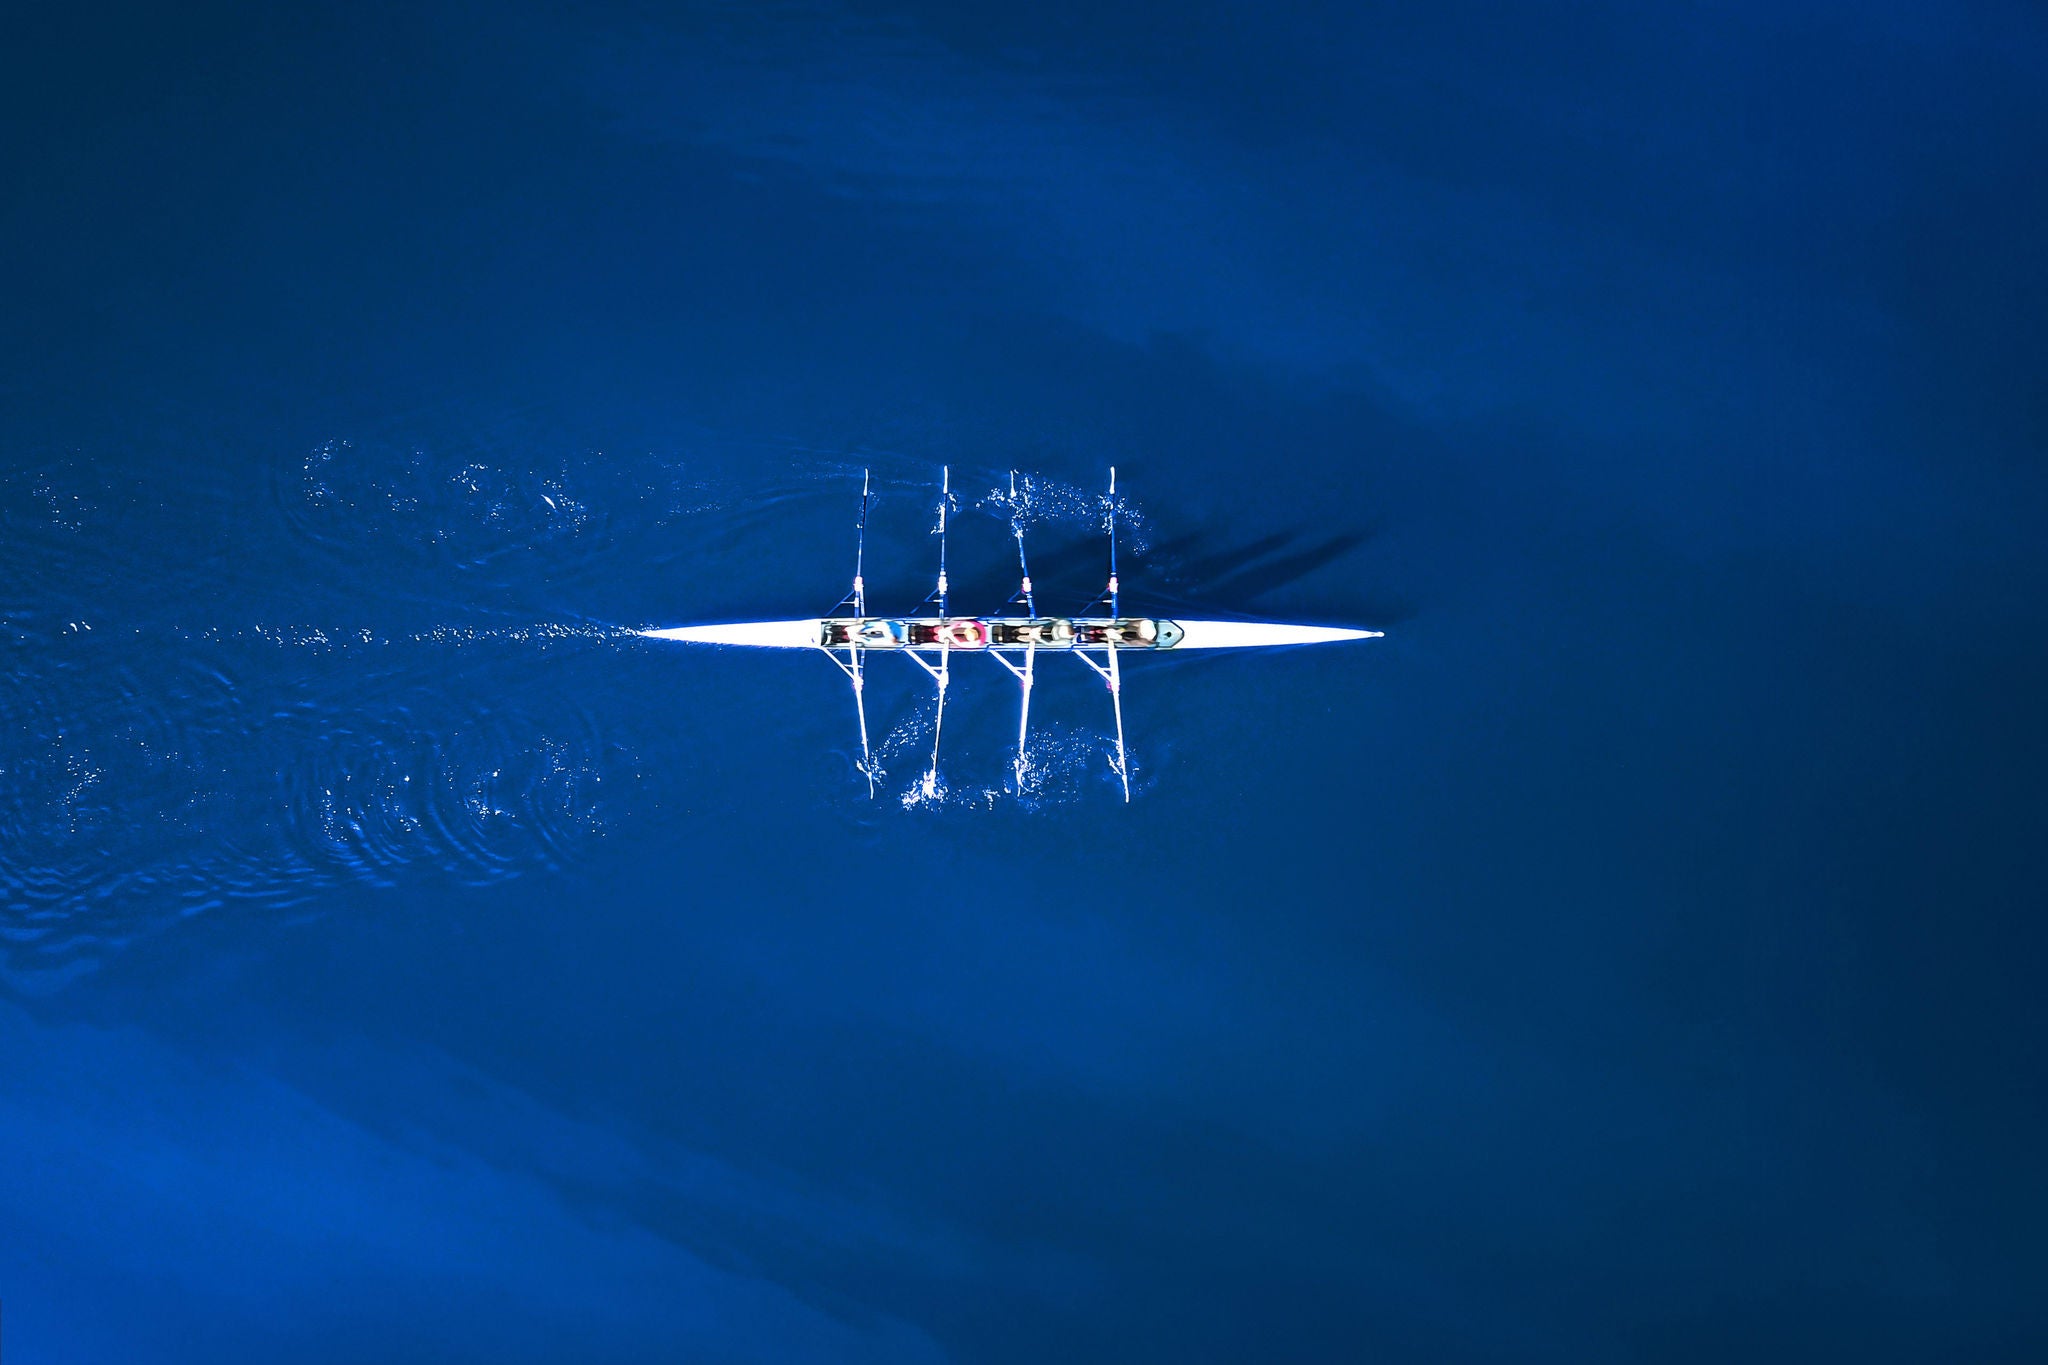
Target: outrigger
<point>1101,629</point>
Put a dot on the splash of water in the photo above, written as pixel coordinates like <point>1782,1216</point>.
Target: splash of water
<point>1044,502</point>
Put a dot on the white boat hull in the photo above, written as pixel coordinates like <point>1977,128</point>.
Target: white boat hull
<point>811,634</point>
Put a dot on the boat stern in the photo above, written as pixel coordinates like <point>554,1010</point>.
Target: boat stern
<point>747,634</point>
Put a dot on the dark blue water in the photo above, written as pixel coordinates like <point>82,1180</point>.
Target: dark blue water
<point>1636,955</point>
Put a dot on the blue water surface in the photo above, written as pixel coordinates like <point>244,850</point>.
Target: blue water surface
<point>1634,956</point>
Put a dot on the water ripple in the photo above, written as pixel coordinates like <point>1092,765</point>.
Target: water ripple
<point>372,667</point>
<point>194,717</point>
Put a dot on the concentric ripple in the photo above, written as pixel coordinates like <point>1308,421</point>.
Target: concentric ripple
<point>194,716</point>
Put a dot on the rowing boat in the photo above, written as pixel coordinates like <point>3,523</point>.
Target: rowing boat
<point>941,634</point>
<point>1008,634</point>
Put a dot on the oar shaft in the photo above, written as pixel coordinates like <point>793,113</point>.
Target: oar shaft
<point>1114,609</point>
